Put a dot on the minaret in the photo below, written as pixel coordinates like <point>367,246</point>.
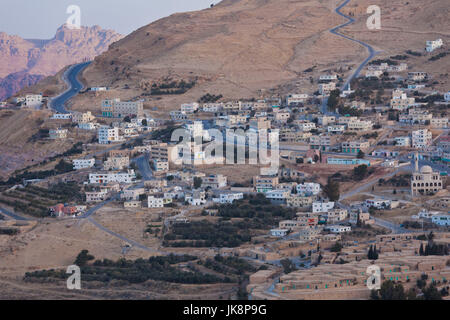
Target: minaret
<point>416,161</point>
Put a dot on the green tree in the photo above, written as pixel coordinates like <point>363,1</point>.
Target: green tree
<point>288,266</point>
<point>332,190</point>
<point>83,257</point>
<point>337,247</point>
<point>431,293</point>
<point>360,172</point>
<point>391,291</point>
<point>361,154</point>
<point>197,182</point>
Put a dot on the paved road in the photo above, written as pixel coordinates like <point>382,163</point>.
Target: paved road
<point>144,167</point>
<point>13,215</point>
<point>71,78</point>
<point>114,234</point>
<point>372,52</point>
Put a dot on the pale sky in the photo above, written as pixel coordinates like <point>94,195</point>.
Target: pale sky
<point>39,19</point>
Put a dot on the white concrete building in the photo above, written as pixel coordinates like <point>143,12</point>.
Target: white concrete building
<point>296,98</point>
<point>153,202</point>
<point>228,197</point>
<point>61,116</point>
<point>189,107</point>
<point>279,232</point>
<point>305,125</point>
<point>107,177</point>
<point>338,229</point>
<point>108,135</point>
<point>278,195</point>
<point>308,188</point>
<point>55,134</point>
<point>326,88</point>
<point>402,141</point>
<point>337,128</point>
<point>79,164</point>
<point>322,206</point>
<point>87,126</point>
<point>421,138</point>
<point>96,196</point>
<point>434,44</point>
<point>441,220</point>
<point>33,100</point>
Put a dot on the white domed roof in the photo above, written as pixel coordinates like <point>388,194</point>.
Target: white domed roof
<point>426,169</point>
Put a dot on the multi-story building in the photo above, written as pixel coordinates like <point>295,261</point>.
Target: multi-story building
<point>108,177</point>
<point>439,123</point>
<point>189,107</point>
<point>402,141</point>
<point>354,147</point>
<point>337,128</point>
<point>434,44</point>
<point>79,164</point>
<point>114,108</point>
<point>421,138</point>
<point>298,201</point>
<point>305,125</point>
<point>326,120</point>
<point>162,151</point>
<point>228,197</point>
<point>322,206</point>
<point>326,88</point>
<point>212,107</point>
<point>320,142</point>
<point>338,229</point>
<point>132,194</point>
<point>417,76</point>
<point>160,166</point>
<point>336,215</point>
<point>33,100</point>
<point>282,116</point>
<point>55,134</point>
<point>360,125</point>
<point>107,135</point>
<point>214,181</point>
<point>153,202</point>
<point>61,116</point>
<point>308,188</point>
<point>279,195</point>
<point>328,77</point>
<point>82,117</point>
<point>265,183</point>
<point>347,161</point>
<point>296,98</point>
<point>116,163</point>
<point>400,100</point>
<point>96,196</point>
<point>292,135</point>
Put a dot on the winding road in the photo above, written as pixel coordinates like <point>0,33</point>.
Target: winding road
<point>71,78</point>
<point>370,49</point>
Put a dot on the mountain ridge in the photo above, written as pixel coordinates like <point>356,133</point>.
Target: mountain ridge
<point>26,61</point>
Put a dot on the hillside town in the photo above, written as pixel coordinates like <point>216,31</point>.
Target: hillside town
<point>310,187</point>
